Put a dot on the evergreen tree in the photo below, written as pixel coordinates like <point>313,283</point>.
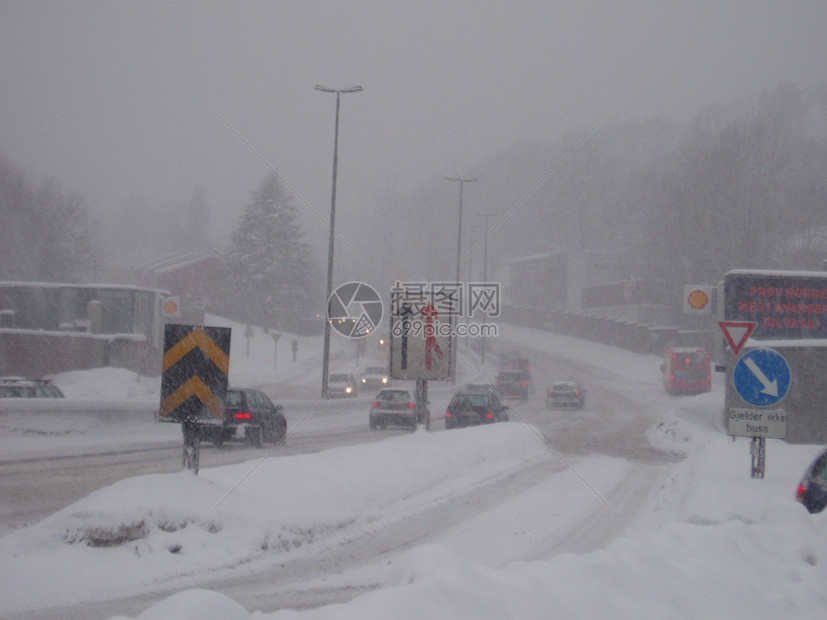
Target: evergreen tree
<point>270,267</point>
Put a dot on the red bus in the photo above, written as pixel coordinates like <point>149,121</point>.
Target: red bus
<point>687,370</point>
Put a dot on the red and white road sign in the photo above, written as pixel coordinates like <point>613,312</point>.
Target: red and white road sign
<point>737,333</point>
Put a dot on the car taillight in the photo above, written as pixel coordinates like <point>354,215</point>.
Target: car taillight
<point>411,405</point>
<point>448,414</point>
<point>375,404</point>
<point>799,494</point>
<point>243,415</point>
<point>490,414</point>
<point>525,383</point>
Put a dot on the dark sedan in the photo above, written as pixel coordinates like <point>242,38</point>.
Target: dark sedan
<point>471,407</point>
<point>812,490</point>
<point>249,416</point>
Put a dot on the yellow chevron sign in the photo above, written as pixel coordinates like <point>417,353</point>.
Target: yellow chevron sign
<point>195,368</point>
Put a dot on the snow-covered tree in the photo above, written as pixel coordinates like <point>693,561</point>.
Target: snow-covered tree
<point>45,233</point>
<point>270,267</point>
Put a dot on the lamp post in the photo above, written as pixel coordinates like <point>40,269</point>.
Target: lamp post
<point>326,352</point>
<point>484,277</point>
<point>462,183</point>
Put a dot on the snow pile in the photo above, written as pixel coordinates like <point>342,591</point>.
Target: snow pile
<point>147,530</point>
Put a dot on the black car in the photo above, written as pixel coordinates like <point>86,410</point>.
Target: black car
<point>470,407</point>
<point>17,387</point>
<point>249,416</point>
<point>515,383</point>
<point>812,490</point>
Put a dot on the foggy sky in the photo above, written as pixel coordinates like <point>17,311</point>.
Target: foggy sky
<point>115,99</point>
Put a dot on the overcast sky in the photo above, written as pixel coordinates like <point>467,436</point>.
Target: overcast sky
<point>119,100</point>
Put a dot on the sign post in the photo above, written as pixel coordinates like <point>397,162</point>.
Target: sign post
<point>762,378</point>
<point>194,379</point>
<point>421,344</point>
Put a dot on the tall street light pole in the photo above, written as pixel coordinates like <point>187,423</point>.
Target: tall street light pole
<point>326,352</point>
<point>484,276</point>
<point>462,183</point>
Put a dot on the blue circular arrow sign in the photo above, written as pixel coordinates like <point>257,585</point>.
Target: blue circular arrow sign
<point>762,377</point>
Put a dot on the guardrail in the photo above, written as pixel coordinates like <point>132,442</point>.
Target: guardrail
<point>105,410</point>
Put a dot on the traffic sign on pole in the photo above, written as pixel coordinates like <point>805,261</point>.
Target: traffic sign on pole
<point>737,333</point>
<point>762,377</point>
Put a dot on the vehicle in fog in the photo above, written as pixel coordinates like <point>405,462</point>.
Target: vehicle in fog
<point>515,361</point>
<point>375,377</point>
<point>687,370</point>
<point>471,407</point>
<point>812,490</point>
<point>249,416</point>
<point>397,407</point>
<point>341,385</point>
<point>516,383</point>
<point>565,395</point>
<point>17,387</point>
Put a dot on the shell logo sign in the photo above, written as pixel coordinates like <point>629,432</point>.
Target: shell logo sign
<point>172,306</point>
<point>697,299</point>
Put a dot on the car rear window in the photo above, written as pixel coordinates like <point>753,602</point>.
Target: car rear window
<point>234,398</point>
<point>395,396</point>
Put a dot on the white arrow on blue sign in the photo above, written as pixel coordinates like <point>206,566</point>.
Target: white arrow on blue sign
<point>762,377</point>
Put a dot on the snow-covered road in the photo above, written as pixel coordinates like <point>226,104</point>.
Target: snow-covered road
<point>637,506</point>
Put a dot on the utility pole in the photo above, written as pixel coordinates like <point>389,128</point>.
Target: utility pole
<point>326,352</point>
<point>462,183</point>
<point>484,276</point>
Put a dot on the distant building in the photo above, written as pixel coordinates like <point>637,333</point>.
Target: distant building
<point>196,277</point>
<point>586,282</point>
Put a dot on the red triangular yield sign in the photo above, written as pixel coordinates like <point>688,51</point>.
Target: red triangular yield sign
<point>737,333</point>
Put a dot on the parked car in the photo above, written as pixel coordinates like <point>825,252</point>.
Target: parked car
<point>565,394</point>
<point>18,387</point>
<point>470,407</point>
<point>375,377</point>
<point>515,383</point>
<point>397,407</point>
<point>249,416</point>
<point>812,490</point>
<point>341,385</point>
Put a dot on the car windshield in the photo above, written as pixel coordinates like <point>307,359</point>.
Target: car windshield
<point>338,378</point>
<point>375,370</point>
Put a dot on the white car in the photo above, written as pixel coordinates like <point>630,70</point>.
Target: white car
<point>376,377</point>
<point>341,385</point>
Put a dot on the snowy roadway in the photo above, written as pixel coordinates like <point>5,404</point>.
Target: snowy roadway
<point>470,523</point>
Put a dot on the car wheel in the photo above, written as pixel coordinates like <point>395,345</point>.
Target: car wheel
<point>372,424</point>
<point>255,435</point>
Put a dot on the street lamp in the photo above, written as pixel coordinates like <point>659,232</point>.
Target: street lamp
<point>326,353</point>
<point>462,183</point>
<point>484,277</point>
